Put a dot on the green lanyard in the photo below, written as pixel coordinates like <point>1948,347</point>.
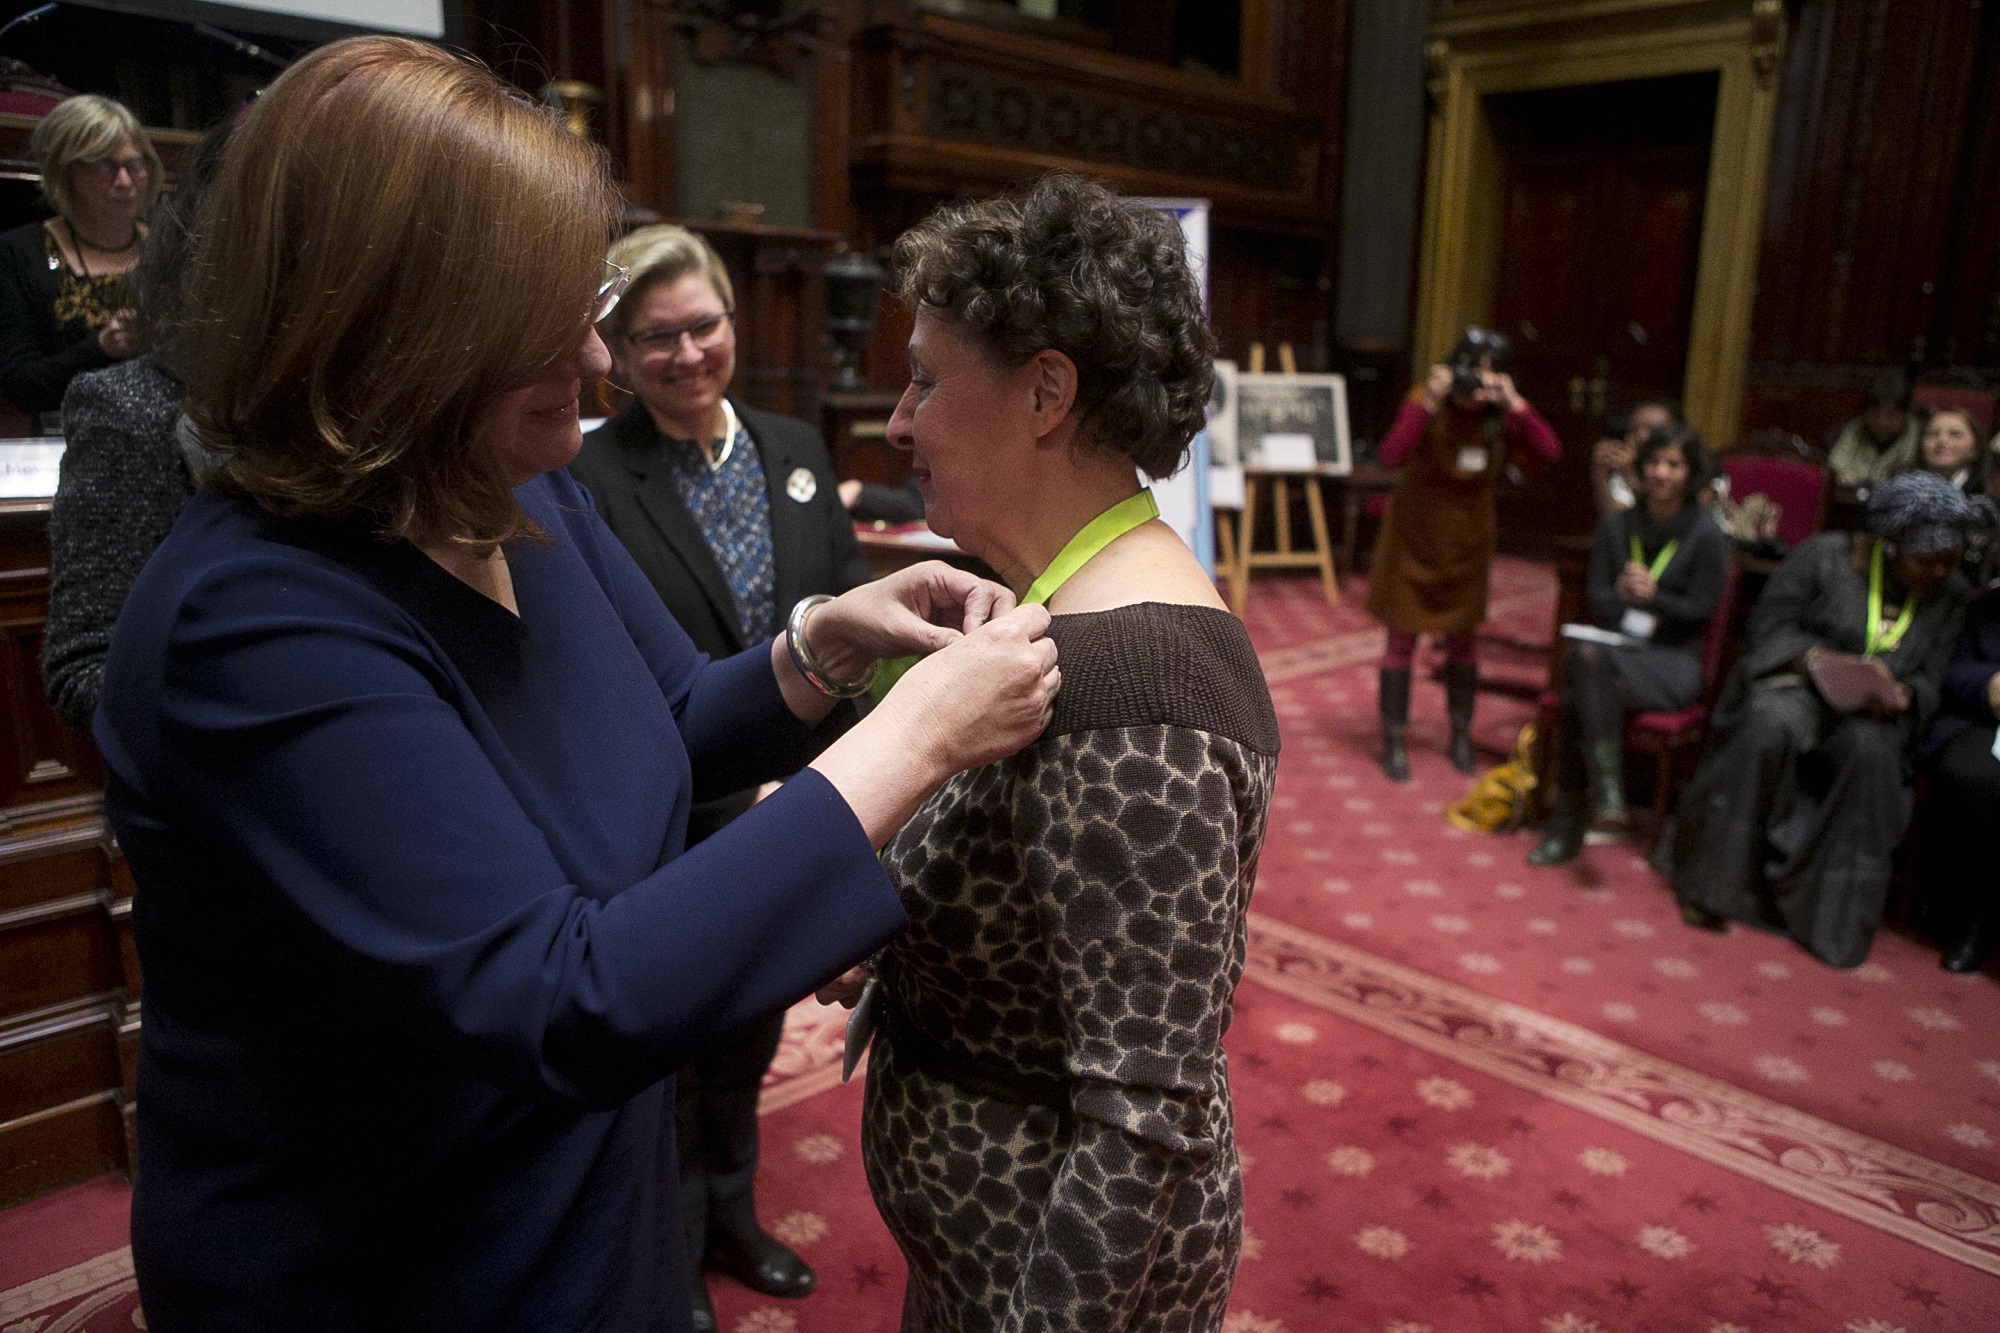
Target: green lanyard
<point>1877,641</point>
<point>1132,512</point>
<point>1660,561</point>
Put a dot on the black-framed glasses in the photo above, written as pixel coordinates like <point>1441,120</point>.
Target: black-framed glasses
<point>705,333</point>
<point>107,168</point>
<point>609,291</point>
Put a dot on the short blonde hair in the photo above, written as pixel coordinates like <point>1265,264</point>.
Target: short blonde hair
<point>87,128</point>
<point>393,242</point>
<point>664,253</point>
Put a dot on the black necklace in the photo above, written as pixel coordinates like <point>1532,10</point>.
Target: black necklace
<point>76,239</point>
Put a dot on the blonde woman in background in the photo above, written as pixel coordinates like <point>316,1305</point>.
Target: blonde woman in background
<point>63,302</point>
<point>733,515</point>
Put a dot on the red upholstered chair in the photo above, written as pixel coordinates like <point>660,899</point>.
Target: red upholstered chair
<point>1798,488</point>
<point>1670,737</point>
<point>1976,402</point>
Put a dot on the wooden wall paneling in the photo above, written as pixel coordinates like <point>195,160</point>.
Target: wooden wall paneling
<point>833,110</point>
<point>1884,209</point>
<point>1869,140</point>
<point>1967,326</point>
<point>968,109</point>
<point>780,278</point>
<point>1502,48</point>
<point>1264,49</point>
<point>639,101</point>
<point>68,1022</point>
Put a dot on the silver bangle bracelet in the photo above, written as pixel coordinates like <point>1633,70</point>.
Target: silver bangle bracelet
<point>802,658</point>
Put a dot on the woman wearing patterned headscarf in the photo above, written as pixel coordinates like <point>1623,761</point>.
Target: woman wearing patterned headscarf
<point>1804,793</point>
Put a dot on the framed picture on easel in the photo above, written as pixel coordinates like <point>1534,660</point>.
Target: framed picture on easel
<point>1294,423</point>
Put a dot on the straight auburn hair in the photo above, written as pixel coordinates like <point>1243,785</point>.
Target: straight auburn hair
<point>393,241</point>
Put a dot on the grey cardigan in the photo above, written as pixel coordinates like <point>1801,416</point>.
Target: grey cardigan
<point>124,482</point>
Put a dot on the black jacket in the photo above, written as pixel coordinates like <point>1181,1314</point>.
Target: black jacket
<point>37,360</point>
<point>624,465</point>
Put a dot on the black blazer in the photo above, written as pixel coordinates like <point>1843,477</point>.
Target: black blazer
<point>623,463</point>
<point>37,360</point>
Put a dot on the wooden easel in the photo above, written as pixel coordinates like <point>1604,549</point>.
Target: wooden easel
<point>1238,549</point>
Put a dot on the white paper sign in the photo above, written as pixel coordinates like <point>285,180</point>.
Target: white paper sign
<point>29,469</point>
<point>1225,487</point>
<point>1288,453</point>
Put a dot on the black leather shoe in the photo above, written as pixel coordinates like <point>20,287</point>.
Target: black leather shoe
<point>704,1311</point>
<point>1969,954</point>
<point>761,1264</point>
<point>1703,919</point>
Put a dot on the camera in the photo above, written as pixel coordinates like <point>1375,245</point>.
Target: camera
<point>1476,346</point>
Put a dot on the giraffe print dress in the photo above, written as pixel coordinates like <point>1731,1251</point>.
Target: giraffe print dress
<point>1047,1130</point>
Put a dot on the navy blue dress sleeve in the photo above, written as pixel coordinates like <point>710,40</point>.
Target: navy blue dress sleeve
<point>454,837</point>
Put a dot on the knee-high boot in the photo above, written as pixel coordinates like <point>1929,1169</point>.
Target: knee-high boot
<point>1562,837</point>
<point>1395,708</point>
<point>1605,760</point>
<point>1461,685</point>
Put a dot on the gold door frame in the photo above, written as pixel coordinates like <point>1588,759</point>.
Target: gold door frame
<point>1504,46</point>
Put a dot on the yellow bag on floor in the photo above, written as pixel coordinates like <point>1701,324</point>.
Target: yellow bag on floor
<point>1498,800</point>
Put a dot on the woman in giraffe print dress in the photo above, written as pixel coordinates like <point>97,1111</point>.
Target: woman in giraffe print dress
<point>1048,1130</point>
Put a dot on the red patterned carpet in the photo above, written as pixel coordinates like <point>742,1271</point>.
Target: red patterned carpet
<point>1471,1096</point>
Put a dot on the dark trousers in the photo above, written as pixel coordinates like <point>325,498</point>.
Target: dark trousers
<point>715,1119</point>
<point>1601,684</point>
<point>715,1105</point>
<point>1791,822</point>
<point>1960,878</point>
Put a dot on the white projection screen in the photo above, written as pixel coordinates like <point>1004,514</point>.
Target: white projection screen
<point>423,18</point>
<point>418,18</point>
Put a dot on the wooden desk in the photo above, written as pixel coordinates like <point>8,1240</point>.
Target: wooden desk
<point>891,549</point>
<point>69,975</point>
<point>1356,489</point>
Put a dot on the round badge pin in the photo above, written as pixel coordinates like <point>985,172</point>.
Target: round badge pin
<point>802,485</point>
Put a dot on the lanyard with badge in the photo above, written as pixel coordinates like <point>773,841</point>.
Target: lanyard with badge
<point>1134,511</point>
<point>1879,640</point>
<point>1635,623</point>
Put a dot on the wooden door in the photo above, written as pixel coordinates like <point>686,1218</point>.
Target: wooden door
<point>1599,205</point>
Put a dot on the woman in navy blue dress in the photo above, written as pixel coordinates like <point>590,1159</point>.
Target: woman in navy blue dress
<point>402,746</point>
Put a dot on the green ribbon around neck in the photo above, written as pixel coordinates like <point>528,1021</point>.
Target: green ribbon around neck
<point>1660,561</point>
<point>1132,512</point>
<point>1879,640</point>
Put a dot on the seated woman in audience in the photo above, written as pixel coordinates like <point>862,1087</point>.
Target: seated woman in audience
<point>1963,809</point>
<point>401,748</point>
<point>1804,793</point>
<point>1614,466</point>
<point>63,303</point>
<point>1881,441</point>
<point>1656,572</point>
<point>126,470</point>
<point>1048,1130</point>
<point>1949,448</point>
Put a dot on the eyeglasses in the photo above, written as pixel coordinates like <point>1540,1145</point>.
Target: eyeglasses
<point>609,291</point>
<point>705,333</point>
<point>107,168</point>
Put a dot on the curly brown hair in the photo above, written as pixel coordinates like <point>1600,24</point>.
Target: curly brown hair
<point>1067,265</point>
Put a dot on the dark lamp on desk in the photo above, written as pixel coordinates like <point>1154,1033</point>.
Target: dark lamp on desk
<point>853,290</point>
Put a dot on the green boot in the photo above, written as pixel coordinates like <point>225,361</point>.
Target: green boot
<point>1605,762</point>
<point>1562,836</point>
